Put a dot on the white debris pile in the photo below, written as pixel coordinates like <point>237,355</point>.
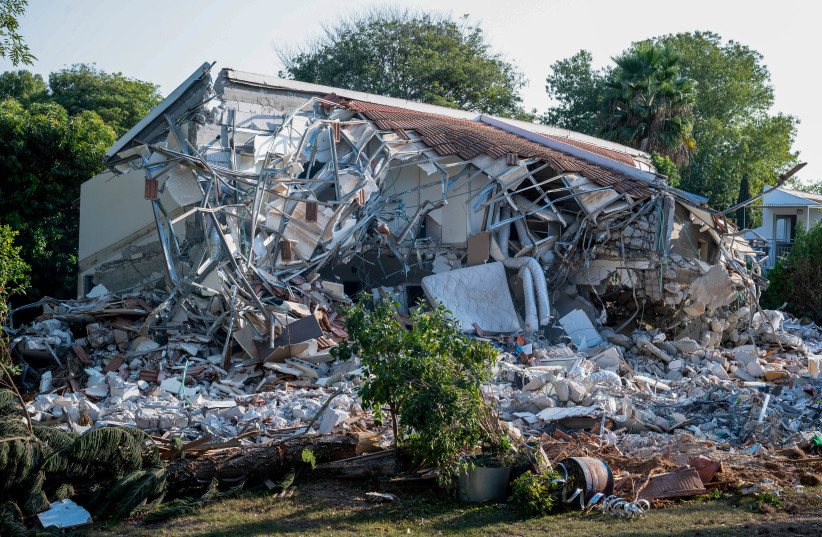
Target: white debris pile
<point>753,391</point>
<point>179,382</point>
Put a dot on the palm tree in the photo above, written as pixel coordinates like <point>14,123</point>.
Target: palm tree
<point>648,104</point>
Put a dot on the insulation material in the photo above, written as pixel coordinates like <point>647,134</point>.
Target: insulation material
<point>475,295</point>
<point>580,329</point>
<point>711,291</point>
<point>597,198</point>
<point>183,186</point>
<point>353,183</point>
<point>306,234</point>
<point>535,286</point>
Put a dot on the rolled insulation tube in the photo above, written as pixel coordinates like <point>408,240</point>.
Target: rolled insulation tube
<point>539,284</point>
<point>531,320</point>
<point>504,233</point>
<point>495,250</point>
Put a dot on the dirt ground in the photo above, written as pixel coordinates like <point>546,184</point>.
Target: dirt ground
<point>799,516</point>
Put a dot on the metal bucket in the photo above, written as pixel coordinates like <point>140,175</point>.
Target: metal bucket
<point>592,476</point>
<point>482,483</point>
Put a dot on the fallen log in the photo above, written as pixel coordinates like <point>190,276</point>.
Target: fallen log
<point>257,461</point>
<point>379,464</point>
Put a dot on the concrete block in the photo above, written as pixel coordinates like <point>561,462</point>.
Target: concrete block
<point>686,345</point>
<point>576,391</point>
<point>98,390</point>
<point>755,370</point>
<point>172,386</point>
<point>332,418</point>
<point>609,359</point>
<point>814,365</point>
<point>744,357</point>
<point>718,370</point>
<point>561,390</point>
<point>126,391</point>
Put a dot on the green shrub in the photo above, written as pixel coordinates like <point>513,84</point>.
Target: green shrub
<point>536,494</point>
<point>768,498</point>
<point>308,457</point>
<point>429,377</point>
<point>13,270</point>
<point>14,279</point>
<point>797,279</point>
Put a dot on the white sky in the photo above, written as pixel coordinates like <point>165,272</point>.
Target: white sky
<point>164,41</point>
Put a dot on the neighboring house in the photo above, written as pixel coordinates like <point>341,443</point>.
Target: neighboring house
<point>782,211</point>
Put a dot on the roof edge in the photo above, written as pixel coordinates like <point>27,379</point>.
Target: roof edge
<point>158,110</point>
<point>621,167</point>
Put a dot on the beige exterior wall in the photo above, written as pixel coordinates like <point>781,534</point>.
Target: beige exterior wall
<point>114,214</point>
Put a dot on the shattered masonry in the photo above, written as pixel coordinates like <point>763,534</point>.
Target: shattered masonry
<point>236,216</point>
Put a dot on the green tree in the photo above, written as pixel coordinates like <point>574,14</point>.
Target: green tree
<point>648,105</point>
<point>12,45</point>
<point>576,87</point>
<point>734,132</point>
<point>429,377</point>
<point>742,217</point>
<point>45,155</point>
<point>811,187</point>
<point>14,277</point>
<point>411,55</point>
<point>24,86</point>
<point>797,279</point>
<point>120,101</point>
<point>666,167</point>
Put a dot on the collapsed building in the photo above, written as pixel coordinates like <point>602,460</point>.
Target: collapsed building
<point>237,214</point>
<point>249,181</point>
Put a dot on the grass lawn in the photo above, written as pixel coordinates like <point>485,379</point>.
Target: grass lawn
<point>326,507</point>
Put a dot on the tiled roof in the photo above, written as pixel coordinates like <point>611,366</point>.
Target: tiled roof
<point>468,139</point>
<point>607,153</point>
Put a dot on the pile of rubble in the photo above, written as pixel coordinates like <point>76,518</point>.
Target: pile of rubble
<point>187,387</point>
<point>750,393</point>
<point>752,398</point>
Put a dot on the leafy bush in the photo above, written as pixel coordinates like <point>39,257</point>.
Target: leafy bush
<point>14,279</point>
<point>429,377</point>
<point>13,270</point>
<point>666,167</point>
<point>308,457</point>
<point>536,494</point>
<point>767,498</point>
<point>797,279</point>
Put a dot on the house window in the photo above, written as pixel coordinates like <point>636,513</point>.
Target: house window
<point>784,228</point>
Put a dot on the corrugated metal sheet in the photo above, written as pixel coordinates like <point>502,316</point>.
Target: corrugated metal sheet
<point>468,139</point>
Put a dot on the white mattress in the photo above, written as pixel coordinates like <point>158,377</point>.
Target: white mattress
<point>477,294</point>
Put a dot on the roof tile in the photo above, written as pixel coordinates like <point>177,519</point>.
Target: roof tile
<point>468,139</point>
